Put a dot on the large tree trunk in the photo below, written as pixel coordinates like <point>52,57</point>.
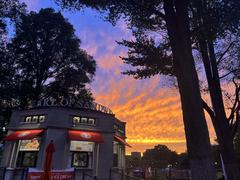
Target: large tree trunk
<point>219,119</point>
<point>197,136</point>
<point>220,122</point>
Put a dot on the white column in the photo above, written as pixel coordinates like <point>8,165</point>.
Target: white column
<point>12,154</point>
<point>97,159</point>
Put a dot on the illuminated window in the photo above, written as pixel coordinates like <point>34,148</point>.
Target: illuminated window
<point>81,154</point>
<point>30,145</point>
<point>27,159</point>
<point>84,120</point>
<point>81,146</point>
<point>80,159</point>
<point>35,119</point>
<point>41,119</point>
<point>28,119</point>
<point>77,120</point>
<point>91,121</point>
<point>28,152</point>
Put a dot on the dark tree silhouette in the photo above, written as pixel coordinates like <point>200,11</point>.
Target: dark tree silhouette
<point>213,20</point>
<point>208,34</point>
<point>9,10</point>
<point>159,157</point>
<point>48,59</point>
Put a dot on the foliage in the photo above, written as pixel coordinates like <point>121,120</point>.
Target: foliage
<point>133,162</point>
<point>159,157</point>
<point>48,60</point>
<point>183,161</point>
<point>9,9</point>
<point>148,58</point>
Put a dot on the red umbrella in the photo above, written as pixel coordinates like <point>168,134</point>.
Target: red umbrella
<point>48,161</point>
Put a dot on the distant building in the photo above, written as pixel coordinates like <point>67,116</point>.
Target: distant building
<point>136,155</point>
<point>86,139</point>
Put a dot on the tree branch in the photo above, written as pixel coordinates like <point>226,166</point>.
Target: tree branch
<point>208,109</point>
<point>158,13</point>
<point>236,103</point>
<point>236,124</point>
<point>222,55</point>
<point>225,75</point>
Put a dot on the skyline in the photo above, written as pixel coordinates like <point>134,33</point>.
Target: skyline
<point>151,109</point>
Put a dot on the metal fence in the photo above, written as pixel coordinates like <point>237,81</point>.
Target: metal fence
<point>83,174</point>
<point>79,174</point>
<point>9,173</point>
<point>2,173</point>
<point>120,174</point>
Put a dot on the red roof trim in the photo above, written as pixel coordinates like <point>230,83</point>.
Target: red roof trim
<point>23,134</point>
<point>79,135</point>
<point>123,141</point>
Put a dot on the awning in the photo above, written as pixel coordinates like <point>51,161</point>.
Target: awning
<point>79,135</point>
<point>23,134</point>
<point>123,141</point>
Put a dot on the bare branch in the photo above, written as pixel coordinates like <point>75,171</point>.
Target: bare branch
<point>236,103</point>
<point>230,72</point>
<point>208,109</point>
<point>223,54</point>
<point>236,124</point>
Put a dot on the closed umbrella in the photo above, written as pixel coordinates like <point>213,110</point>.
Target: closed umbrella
<point>48,161</point>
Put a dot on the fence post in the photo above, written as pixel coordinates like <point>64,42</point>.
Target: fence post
<point>23,174</point>
<point>170,173</point>
<point>26,176</point>
<point>122,173</point>
<point>110,174</point>
<point>83,175</point>
<point>4,172</point>
<point>74,174</point>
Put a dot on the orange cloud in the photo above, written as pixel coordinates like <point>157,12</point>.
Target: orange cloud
<point>153,113</point>
<point>153,116</point>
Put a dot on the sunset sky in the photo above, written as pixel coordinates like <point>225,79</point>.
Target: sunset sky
<point>151,109</point>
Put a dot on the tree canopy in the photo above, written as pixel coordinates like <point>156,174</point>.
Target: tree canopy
<point>48,60</point>
<point>9,9</point>
<point>159,157</point>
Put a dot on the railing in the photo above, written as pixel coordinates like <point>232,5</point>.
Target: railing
<point>119,174</point>
<point>128,177</point>
<point>79,174</point>
<point>2,172</point>
<point>82,174</point>
<point>9,173</point>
